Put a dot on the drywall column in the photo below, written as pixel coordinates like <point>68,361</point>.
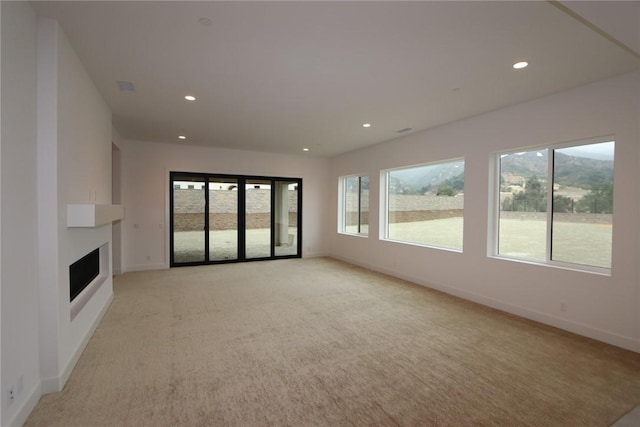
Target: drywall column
<point>48,250</point>
<point>637,311</point>
<point>74,167</point>
<point>115,199</point>
<point>282,213</point>
<point>1,383</point>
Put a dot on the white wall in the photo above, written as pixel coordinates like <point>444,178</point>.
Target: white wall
<point>55,150</point>
<point>74,165</point>
<point>597,306</point>
<point>1,50</point>
<point>145,184</point>
<point>637,312</point>
<point>116,187</point>
<point>19,294</point>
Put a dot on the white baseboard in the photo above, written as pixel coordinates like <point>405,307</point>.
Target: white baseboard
<point>538,316</point>
<point>27,406</point>
<point>49,385</point>
<point>55,384</point>
<point>585,330</point>
<point>151,267</point>
<point>315,255</point>
<point>71,363</point>
<point>362,264</point>
<point>144,267</point>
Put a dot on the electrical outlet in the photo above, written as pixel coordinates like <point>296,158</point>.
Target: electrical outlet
<point>11,395</point>
<point>148,257</point>
<point>563,307</point>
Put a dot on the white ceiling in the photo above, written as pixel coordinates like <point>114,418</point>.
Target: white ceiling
<point>280,76</point>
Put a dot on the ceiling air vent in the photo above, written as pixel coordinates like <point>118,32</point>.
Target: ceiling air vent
<point>404,130</point>
<point>126,86</point>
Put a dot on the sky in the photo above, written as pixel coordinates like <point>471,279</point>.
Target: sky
<point>601,151</point>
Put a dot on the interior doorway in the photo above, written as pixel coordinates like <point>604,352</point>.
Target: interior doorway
<point>230,218</point>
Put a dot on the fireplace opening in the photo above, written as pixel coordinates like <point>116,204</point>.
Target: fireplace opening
<point>82,273</point>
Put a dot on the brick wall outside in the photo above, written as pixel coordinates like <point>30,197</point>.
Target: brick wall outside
<point>427,202</point>
<point>225,221</point>
<point>586,218</point>
<point>403,208</point>
<point>223,209</point>
<point>188,204</point>
<point>409,207</point>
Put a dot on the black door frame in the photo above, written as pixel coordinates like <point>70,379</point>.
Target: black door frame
<point>241,229</point>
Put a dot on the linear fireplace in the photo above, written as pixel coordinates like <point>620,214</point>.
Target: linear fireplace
<point>86,275</point>
<point>82,272</point>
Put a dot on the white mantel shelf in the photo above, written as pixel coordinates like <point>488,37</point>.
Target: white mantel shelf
<point>92,215</point>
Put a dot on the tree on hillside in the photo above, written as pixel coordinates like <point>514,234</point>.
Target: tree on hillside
<point>532,199</point>
<point>449,187</point>
<point>562,204</point>
<point>456,182</point>
<point>598,200</point>
<point>446,190</point>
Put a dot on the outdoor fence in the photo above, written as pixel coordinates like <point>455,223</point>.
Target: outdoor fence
<point>223,209</point>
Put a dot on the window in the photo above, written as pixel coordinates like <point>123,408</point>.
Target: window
<point>556,205</point>
<point>425,204</point>
<point>354,211</point>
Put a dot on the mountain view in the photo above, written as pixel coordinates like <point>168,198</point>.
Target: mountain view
<point>420,180</point>
<point>571,171</point>
<point>582,180</point>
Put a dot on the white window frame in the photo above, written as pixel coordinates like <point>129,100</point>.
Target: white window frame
<point>342,194</point>
<point>384,205</point>
<point>495,207</point>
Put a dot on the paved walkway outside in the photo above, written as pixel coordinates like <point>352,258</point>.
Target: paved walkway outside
<point>189,245</point>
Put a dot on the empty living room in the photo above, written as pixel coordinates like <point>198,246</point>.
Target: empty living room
<point>331,213</point>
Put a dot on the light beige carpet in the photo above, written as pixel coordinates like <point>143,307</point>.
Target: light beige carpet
<point>306,342</point>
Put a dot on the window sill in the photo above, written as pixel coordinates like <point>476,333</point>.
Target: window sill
<point>558,265</point>
<point>423,245</point>
<point>362,236</point>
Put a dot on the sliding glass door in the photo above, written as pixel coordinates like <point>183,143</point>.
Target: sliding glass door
<point>223,219</point>
<point>228,218</point>
<point>188,219</point>
<point>258,218</point>
<point>286,218</point>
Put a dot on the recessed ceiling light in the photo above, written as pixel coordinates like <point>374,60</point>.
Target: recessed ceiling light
<point>366,125</point>
<point>182,137</point>
<point>190,98</point>
<point>305,149</point>
<point>205,21</point>
<point>520,65</point>
<point>125,86</point>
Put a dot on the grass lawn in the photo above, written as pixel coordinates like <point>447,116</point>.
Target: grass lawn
<point>573,242</point>
<point>579,243</point>
<point>588,244</point>
<point>445,233</point>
